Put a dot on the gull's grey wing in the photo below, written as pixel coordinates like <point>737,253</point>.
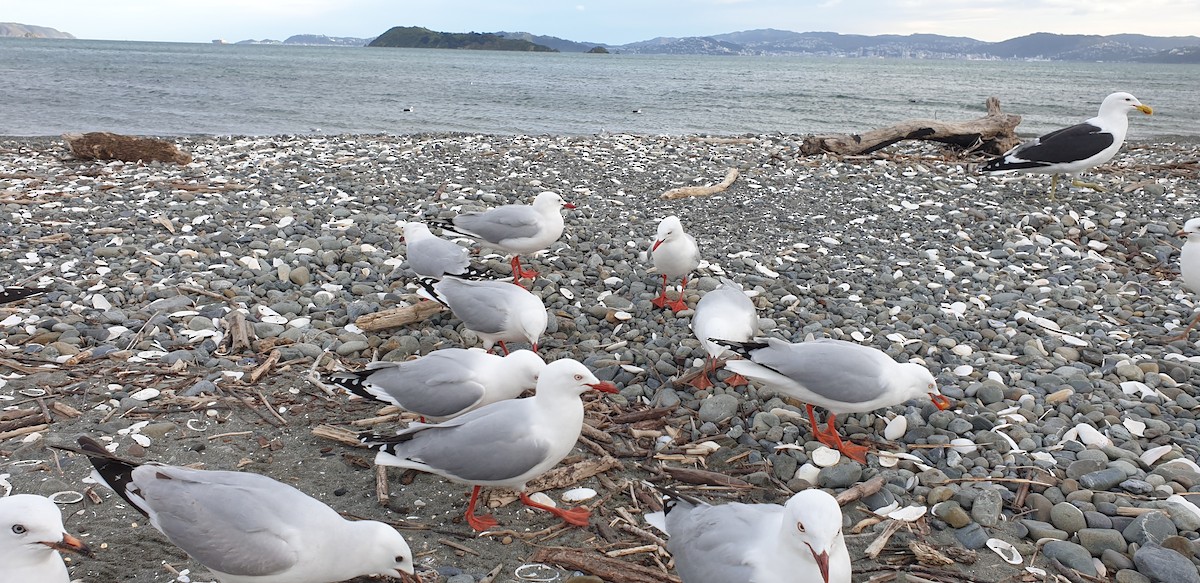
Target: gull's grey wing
<point>835,370</point>
<point>439,384</point>
<point>503,222</point>
<point>232,522</point>
<point>713,544</point>
<point>434,256</point>
<point>487,444</point>
<point>483,308</point>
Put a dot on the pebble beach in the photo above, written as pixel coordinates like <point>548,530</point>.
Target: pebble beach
<point>1072,441</point>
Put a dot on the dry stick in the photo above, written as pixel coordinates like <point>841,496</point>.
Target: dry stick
<point>270,408</point>
<point>397,317</point>
<point>381,485</point>
<point>24,431</point>
<point>610,570</point>
<point>860,491</point>
<point>337,434</point>
<point>686,191</point>
<point>230,434</point>
<point>462,548</point>
<point>694,476</point>
<point>635,416</point>
<point>491,576</point>
<point>633,551</point>
<point>877,545</point>
<point>265,367</point>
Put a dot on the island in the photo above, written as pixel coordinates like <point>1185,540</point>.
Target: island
<point>417,37</point>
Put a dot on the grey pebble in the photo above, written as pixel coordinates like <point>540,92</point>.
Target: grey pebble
<point>1163,565</point>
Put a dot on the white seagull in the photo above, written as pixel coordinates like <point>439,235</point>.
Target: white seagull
<point>515,228</point>
<point>726,313</point>
<point>431,256</point>
<point>496,311</point>
<point>1189,266</point>
<point>1074,149</point>
<point>675,255</point>
<point>248,528</point>
<point>31,534</point>
<point>842,377</point>
<point>503,444</point>
<point>445,383</point>
<point>799,542</point>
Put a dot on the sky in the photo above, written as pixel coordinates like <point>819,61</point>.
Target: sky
<point>611,22</point>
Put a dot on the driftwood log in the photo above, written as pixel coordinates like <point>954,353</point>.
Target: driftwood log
<point>109,146</point>
<point>992,134</point>
<point>396,317</point>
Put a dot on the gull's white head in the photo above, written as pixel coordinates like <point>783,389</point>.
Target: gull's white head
<point>668,229</point>
<point>415,230</point>
<point>388,554</point>
<point>524,368</point>
<point>571,376</point>
<point>812,524</point>
<point>916,381</point>
<point>31,530</point>
<point>547,201</point>
<point>1122,103</point>
<point>1191,230</point>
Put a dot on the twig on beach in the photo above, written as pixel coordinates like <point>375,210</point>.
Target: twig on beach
<point>861,490</point>
<point>608,569</point>
<point>265,367</point>
<point>397,317</point>
<point>337,434</point>
<point>686,191</point>
<point>881,541</point>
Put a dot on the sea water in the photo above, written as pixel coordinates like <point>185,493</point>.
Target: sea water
<point>48,87</point>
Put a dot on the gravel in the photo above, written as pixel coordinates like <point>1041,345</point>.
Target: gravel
<point>1046,320</point>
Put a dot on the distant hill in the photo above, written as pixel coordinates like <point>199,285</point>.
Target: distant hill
<point>313,40</point>
<point>1181,55</point>
<point>418,37</point>
<point>30,31</point>
<point>558,44</point>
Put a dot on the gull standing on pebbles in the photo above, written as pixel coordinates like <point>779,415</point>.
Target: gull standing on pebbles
<point>248,528</point>
<point>842,377</point>
<point>496,311</point>
<point>445,383</point>
<point>1074,149</point>
<point>1189,267</point>
<point>726,313</point>
<point>432,256</point>
<point>675,254</point>
<point>515,228</point>
<point>503,444</point>
<point>31,534</point>
<point>799,542</point>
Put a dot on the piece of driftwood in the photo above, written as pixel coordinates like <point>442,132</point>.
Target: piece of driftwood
<point>110,146</point>
<point>993,133</point>
<point>861,490</point>
<point>705,477</point>
<point>686,191</point>
<point>594,562</point>
<point>397,317</point>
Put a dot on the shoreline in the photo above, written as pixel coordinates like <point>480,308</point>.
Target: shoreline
<point>1035,316</point>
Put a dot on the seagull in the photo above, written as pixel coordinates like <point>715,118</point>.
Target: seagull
<point>1077,148</point>
<point>799,542</point>
<point>496,311</point>
<point>14,293</point>
<point>248,528</point>
<point>1189,266</point>
<point>31,534</point>
<point>431,256</point>
<point>445,383</point>
<point>675,255</point>
<point>503,444</point>
<point>842,377</point>
<point>515,228</point>
<point>727,313</point>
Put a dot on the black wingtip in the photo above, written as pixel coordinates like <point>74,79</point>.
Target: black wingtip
<point>742,348</point>
<point>352,382</point>
<point>12,294</point>
<point>428,283</point>
<point>672,497</point>
<point>384,443</point>
<point>116,472</point>
<point>473,272</point>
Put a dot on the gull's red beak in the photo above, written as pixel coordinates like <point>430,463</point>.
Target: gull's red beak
<point>940,401</point>
<point>568,205</point>
<point>656,244</point>
<point>1181,234</point>
<point>822,563</point>
<point>604,387</point>
<point>70,544</point>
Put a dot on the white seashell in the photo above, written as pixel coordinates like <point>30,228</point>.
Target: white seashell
<point>271,316</point>
<point>300,322</point>
<point>566,293</point>
<point>629,368</point>
<point>825,457</point>
<point>963,445</point>
<point>578,494</point>
<point>66,497</point>
<point>1089,435</point>
<point>963,370</point>
<point>285,221</point>
<point>12,320</point>
<point>140,439</point>
<point>33,392</point>
<point>908,513</point>
<point>1154,454</point>
<point>197,424</point>
<point>115,332</point>
<point>145,394</point>
<point>1006,551</point>
<point>703,448</point>
<point>962,350</point>
<point>622,315</point>
<point>543,499</point>
<point>808,473</point>
<point>1135,427</point>
<point>1036,572</point>
<point>251,262</point>
<point>763,269</point>
<point>1132,387</point>
<point>100,303</point>
<point>895,428</point>
<point>858,336</point>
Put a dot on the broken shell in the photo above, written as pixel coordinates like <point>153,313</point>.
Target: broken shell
<point>895,428</point>
<point>808,473</point>
<point>271,316</point>
<point>888,460</point>
<point>566,293</point>
<point>140,439</point>
<point>543,499</point>
<point>825,457</point>
<point>964,370</point>
<point>962,350</point>
<point>33,392</point>
<point>1135,427</point>
<point>1154,454</point>
<point>145,394</point>
<point>963,445</point>
<point>908,513</point>
<point>197,424</point>
<point>578,494</point>
<point>1006,551</point>
<point>622,315</point>
<point>702,448</point>
<point>66,497</point>
<point>1089,435</point>
<point>1059,396</point>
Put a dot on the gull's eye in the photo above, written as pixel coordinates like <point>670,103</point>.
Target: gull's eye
<point>800,526</point>
<point>19,529</point>
<point>399,558</point>
<point>579,377</point>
